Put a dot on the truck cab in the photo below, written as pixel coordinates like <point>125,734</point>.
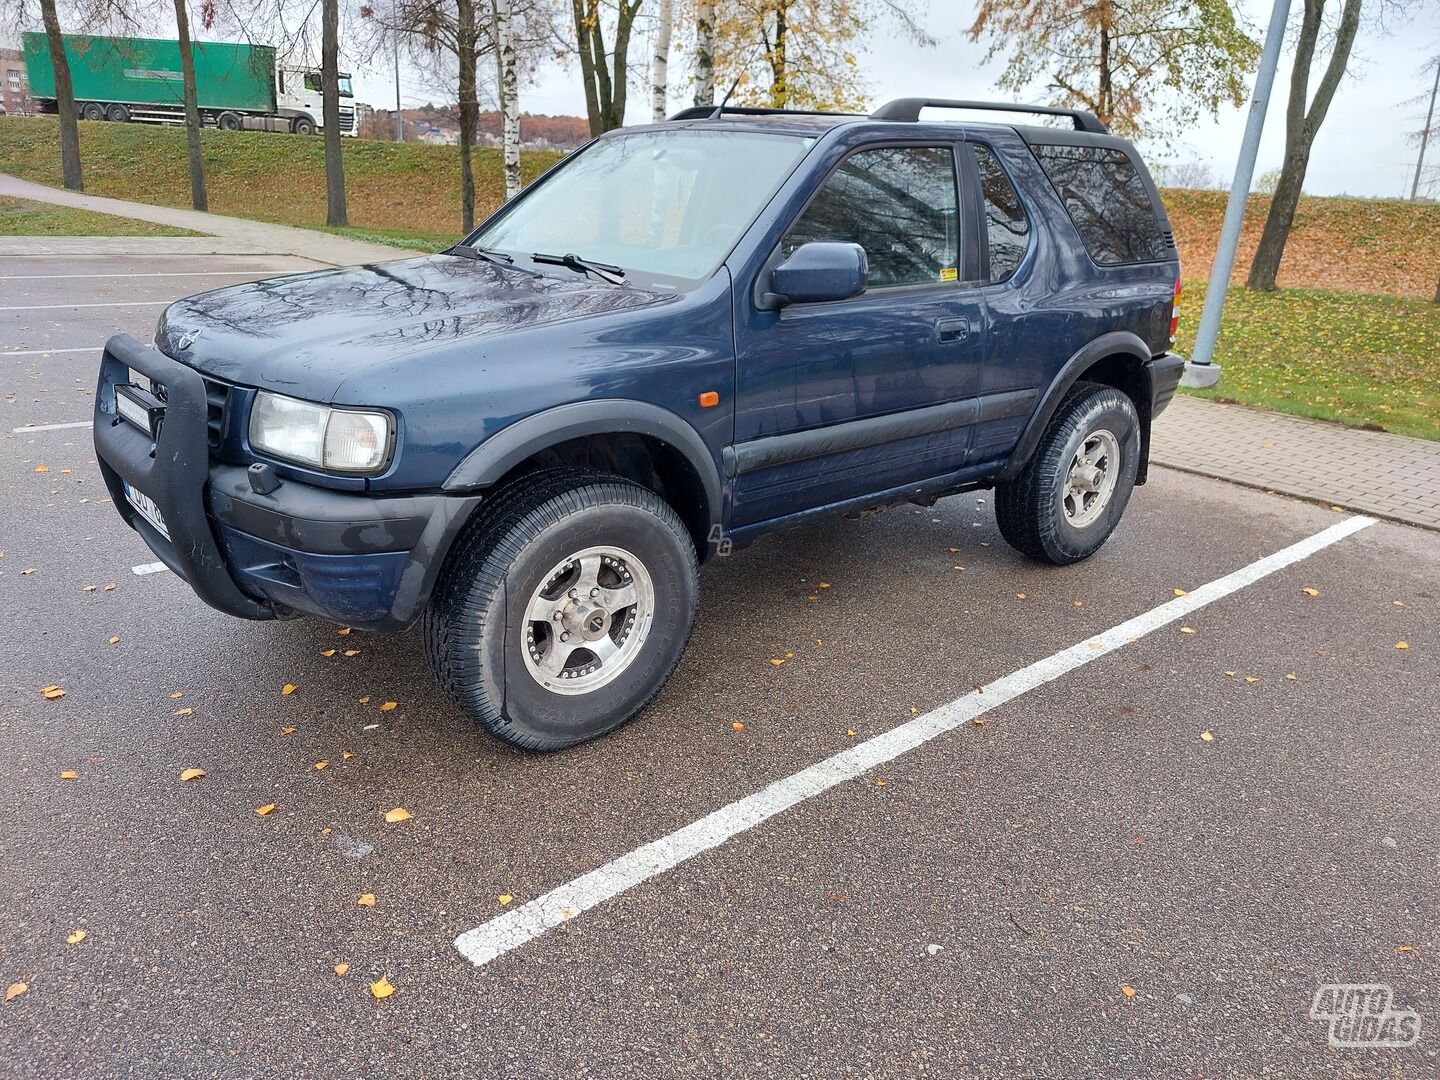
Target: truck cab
<point>298,98</point>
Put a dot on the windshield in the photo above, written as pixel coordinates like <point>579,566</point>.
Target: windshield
<point>669,204</point>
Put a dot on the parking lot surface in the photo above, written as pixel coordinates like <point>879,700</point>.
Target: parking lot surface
<point>1076,882</point>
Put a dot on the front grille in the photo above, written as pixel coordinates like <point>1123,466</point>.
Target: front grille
<point>217,396</point>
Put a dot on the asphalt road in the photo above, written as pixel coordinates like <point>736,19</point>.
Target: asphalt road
<point>982,912</point>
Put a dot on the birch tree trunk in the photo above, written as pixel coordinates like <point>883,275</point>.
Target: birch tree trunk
<point>660,73</point>
<point>509,90</point>
<point>64,100</point>
<point>704,52</point>
<point>335,213</point>
<point>192,107</point>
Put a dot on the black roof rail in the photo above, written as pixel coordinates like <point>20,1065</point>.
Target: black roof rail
<point>909,109</point>
<point>713,112</point>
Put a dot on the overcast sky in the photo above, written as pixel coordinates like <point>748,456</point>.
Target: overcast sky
<point>1361,150</point>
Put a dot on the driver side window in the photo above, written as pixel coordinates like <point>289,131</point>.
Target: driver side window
<point>899,204</point>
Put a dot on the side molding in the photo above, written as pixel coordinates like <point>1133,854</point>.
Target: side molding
<point>1118,342</point>
<point>511,445</point>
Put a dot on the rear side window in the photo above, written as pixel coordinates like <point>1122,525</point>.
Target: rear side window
<point>899,204</point>
<point>1107,201</point>
<point>1007,230</point>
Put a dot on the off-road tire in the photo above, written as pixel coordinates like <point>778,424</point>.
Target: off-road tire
<point>1030,508</point>
<point>474,626</point>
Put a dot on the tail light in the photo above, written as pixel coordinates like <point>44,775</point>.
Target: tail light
<point>1175,311</point>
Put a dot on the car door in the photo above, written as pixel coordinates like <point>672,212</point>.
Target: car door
<point>841,399</point>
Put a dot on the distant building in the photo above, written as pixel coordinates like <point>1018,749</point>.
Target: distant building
<point>14,84</point>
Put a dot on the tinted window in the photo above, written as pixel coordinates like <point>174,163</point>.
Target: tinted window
<point>899,204</point>
<point>1107,201</point>
<point>1006,228</point>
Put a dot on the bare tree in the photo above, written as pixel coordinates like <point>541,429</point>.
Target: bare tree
<point>704,52</point>
<point>335,214</point>
<point>1302,124</point>
<point>1423,135</point>
<point>64,99</point>
<point>605,71</point>
<point>192,108</point>
<point>660,69</point>
<point>508,93</point>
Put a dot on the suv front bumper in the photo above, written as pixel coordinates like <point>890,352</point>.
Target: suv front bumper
<point>359,559</point>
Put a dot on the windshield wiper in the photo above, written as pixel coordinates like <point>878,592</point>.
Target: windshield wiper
<point>489,255</point>
<point>615,275</point>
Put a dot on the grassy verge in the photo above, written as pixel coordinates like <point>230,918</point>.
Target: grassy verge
<point>21,217</point>
<point>1362,360</point>
<point>397,193</point>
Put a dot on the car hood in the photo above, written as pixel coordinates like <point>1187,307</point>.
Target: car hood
<point>306,334</point>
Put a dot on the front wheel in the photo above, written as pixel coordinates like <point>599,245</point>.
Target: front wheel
<point>563,609</point>
<point>1072,492</point>
<point>303,125</point>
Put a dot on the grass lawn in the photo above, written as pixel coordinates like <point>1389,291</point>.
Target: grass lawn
<point>1363,360</point>
<point>21,217</point>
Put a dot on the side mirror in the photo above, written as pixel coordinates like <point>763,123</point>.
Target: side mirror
<point>818,271</point>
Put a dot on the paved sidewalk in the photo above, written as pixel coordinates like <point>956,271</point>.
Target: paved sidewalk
<point>100,246</point>
<point>255,237</point>
<point>1373,472</point>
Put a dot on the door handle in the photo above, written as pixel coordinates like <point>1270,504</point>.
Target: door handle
<point>953,329</point>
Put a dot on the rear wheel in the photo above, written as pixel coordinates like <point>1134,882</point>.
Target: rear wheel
<point>563,609</point>
<point>117,113</point>
<point>92,110</point>
<point>1071,494</point>
<point>229,121</point>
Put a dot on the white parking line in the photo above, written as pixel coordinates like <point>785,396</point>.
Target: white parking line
<point>86,304</point>
<point>47,352</point>
<point>149,568</point>
<point>51,427</point>
<point>530,920</point>
<point>169,273</point>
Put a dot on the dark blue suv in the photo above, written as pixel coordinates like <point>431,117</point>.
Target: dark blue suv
<point>682,336</point>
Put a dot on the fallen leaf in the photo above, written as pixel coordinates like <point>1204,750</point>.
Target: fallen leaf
<point>1397,603</point>
<point>27,573</point>
<point>365,700</point>
<point>366,899</point>
<point>388,706</point>
<point>69,774</point>
<point>192,774</point>
<point>812,596</point>
<point>346,755</point>
<point>1252,678</point>
<point>288,689</point>
<point>954,551</point>
<point>1079,603</point>
<point>1178,592</point>
<point>183,712</point>
<point>266,810</point>
<point>75,937</point>
<point>1019,596</point>
<point>115,639</point>
<point>737,726</point>
<point>397,815</point>
<point>14,990</point>
<point>1187,630</point>
<point>1128,991</point>
<point>1308,591</point>
<point>1402,645</point>
<point>1205,736</point>
<point>90,588</point>
<point>382,989</point>
<point>1232,674</point>
<point>850,734</point>
<point>51,693</point>
<point>327,652</point>
<point>344,631</point>
<point>177,695</point>
<point>287,731</point>
<point>42,468</point>
<point>775,663</point>
<point>881,783</point>
<point>504,898</point>
<point>110,587</point>
<point>1404,949</point>
<point>1292,677</point>
<point>321,765</point>
<point>1338,508</point>
<point>824,584</point>
<point>352,652</point>
<point>342,970</point>
<point>326,831</point>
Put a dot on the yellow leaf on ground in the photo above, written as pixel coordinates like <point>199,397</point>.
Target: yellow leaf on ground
<point>352,652</point>
<point>90,588</point>
<point>344,631</point>
<point>321,765</point>
<point>824,584</point>
<point>177,695</point>
<point>192,774</point>
<point>115,640</point>
<point>69,774</point>
<point>342,970</point>
<point>1308,591</point>
<point>366,899</point>
<point>396,815</point>
<point>389,706</point>
<point>288,689</point>
<point>365,700</point>
<point>184,712</point>
<point>1079,603</point>
<point>287,731</point>
<point>14,990</point>
<point>1402,645</point>
<point>326,831</point>
<point>1404,949</point>
<point>504,898</point>
<point>382,989</point>
<point>1179,592</point>
<point>327,652</point>
<point>1187,630</point>
<point>1205,736</point>
<point>75,937</point>
<point>42,468</point>
<point>812,596</point>
<point>346,755</point>
<point>1232,674</point>
<point>1128,991</point>
<point>111,586</point>
<point>737,726</point>
<point>1252,678</point>
<point>1292,677</point>
<point>1398,603</point>
<point>1019,596</point>
<point>266,810</point>
<point>51,693</point>
<point>775,663</point>
<point>850,734</point>
<point>881,783</point>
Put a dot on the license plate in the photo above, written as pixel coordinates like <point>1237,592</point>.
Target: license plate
<point>148,510</point>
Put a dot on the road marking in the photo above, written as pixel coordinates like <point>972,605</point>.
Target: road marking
<point>169,273</point>
<point>148,568</point>
<point>509,931</point>
<point>47,352</point>
<point>84,304</point>
<point>50,427</point>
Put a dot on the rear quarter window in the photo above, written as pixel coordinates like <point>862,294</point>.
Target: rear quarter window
<point>1107,201</point>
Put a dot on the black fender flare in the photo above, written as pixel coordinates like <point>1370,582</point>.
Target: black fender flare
<point>1116,343</point>
<point>511,445</point>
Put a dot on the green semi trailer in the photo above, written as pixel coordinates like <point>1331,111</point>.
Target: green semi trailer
<point>139,79</point>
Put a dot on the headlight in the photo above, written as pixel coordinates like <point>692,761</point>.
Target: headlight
<point>343,440</point>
